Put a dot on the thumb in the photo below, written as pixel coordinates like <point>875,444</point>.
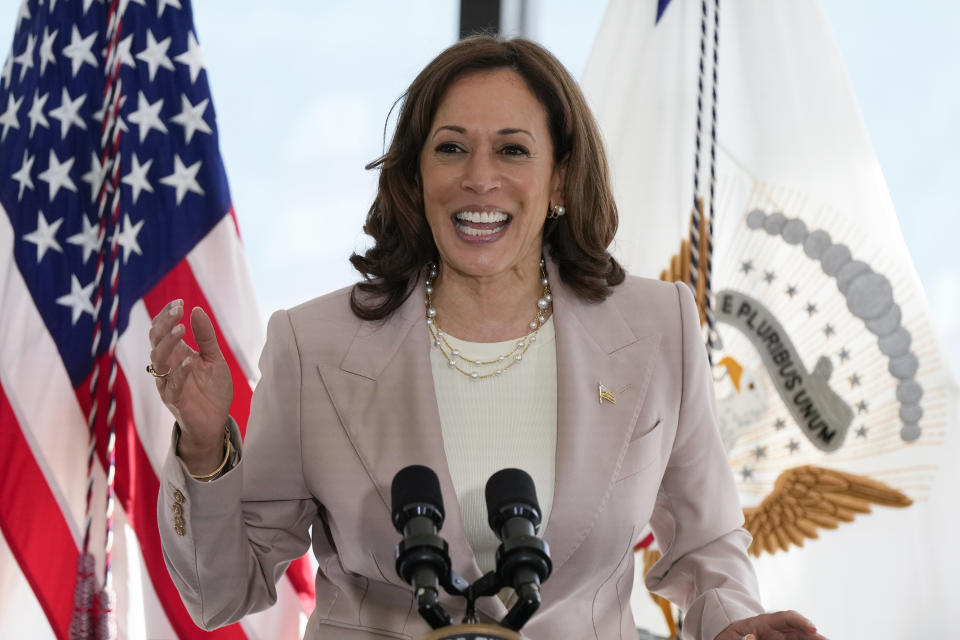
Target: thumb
<point>204,334</point>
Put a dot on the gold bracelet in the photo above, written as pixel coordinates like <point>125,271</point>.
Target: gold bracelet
<point>226,458</point>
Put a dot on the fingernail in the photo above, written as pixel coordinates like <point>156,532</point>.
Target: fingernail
<point>176,307</point>
<point>177,330</point>
<point>186,361</point>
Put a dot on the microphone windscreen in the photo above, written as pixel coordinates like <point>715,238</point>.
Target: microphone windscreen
<point>510,486</point>
<point>415,484</point>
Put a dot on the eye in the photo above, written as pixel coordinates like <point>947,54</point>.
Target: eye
<point>514,150</point>
<point>448,147</point>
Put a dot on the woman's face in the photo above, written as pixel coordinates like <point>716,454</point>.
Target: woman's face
<point>488,175</point>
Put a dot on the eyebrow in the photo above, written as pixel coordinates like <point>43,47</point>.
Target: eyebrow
<point>501,132</point>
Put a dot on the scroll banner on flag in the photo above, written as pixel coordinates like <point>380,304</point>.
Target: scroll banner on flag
<point>828,356</point>
<point>113,201</point>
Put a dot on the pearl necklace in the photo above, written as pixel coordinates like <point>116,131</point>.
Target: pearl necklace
<point>466,365</point>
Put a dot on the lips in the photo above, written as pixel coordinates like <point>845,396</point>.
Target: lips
<point>480,224</point>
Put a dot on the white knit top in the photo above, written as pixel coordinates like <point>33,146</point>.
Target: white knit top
<point>509,420</point>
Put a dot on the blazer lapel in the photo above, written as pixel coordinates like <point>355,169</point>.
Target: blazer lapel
<point>594,346</point>
<point>384,394</point>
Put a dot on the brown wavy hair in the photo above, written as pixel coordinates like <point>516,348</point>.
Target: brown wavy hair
<point>403,243</point>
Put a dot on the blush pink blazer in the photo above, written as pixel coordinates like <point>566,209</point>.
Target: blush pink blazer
<point>344,404</point>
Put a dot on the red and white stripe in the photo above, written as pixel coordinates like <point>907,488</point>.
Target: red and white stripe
<point>44,431</point>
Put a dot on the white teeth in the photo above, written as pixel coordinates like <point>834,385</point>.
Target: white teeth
<point>482,216</point>
<point>470,231</point>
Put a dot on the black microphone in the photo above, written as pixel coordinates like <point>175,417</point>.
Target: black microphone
<point>422,557</point>
<point>523,559</point>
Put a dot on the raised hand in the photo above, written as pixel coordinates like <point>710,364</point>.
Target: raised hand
<point>195,386</point>
<point>782,625</point>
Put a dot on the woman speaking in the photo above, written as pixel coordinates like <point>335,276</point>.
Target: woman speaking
<point>490,328</point>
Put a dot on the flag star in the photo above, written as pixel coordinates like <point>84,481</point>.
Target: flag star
<point>854,380</point>
<point>147,116</point>
<point>68,113</point>
<point>769,276</point>
<point>7,72</point>
<point>183,178</point>
<point>829,330</point>
<point>46,49</point>
<point>780,424</point>
<point>760,452</point>
<point>36,111</point>
<point>811,309</point>
<point>9,118</point>
<point>862,406</point>
<point>123,51</point>
<point>192,57</point>
<point>162,4</point>
<point>86,5</point>
<point>862,432</point>
<point>746,266</point>
<point>791,290</point>
<point>78,299</point>
<point>747,473</point>
<point>79,50</point>
<point>100,114</point>
<point>22,175</point>
<point>191,118</point>
<point>155,54</point>
<point>793,446</point>
<point>25,59</point>
<point>58,175</point>
<point>95,176</point>
<point>128,238</point>
<point>88,239</point>
<point>844,354</point>
<point>23,13</point>
<point>137,178</point>
<point>44,236</point>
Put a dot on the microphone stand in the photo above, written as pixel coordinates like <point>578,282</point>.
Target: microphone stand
<point>490,584</point>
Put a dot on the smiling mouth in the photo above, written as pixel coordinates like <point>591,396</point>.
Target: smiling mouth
<point>480,224</point>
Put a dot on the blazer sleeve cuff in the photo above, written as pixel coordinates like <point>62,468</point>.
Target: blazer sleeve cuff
<point>715,610</point>
<point>184,501</point>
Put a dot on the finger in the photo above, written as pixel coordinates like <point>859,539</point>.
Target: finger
<point>174,364</point>
<point>174,352</point>
<point>769,633</point>
<point>164,321</point>
<point>785,620</point>
<point>177,378</point>
<point>162,350</point>
<point>797,634</point>
<point>204,334</point>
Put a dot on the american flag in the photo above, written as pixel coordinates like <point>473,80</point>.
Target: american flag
<point>114,201</point>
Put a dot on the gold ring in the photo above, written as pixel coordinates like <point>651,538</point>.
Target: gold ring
<point>155,373</point>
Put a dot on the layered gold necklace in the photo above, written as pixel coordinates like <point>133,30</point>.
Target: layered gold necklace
<point>478,368</point>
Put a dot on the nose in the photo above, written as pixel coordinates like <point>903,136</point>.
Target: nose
<point>481,173</point>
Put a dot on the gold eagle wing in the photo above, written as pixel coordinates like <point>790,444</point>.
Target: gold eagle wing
<point>805,499</point>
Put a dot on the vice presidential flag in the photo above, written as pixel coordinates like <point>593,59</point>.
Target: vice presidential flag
<point>113,201</point>
<point>834,401</point>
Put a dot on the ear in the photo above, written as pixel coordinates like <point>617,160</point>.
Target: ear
<point>557,183</point>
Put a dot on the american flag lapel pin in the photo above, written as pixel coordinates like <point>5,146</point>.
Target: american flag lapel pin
<point>606,394</point>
